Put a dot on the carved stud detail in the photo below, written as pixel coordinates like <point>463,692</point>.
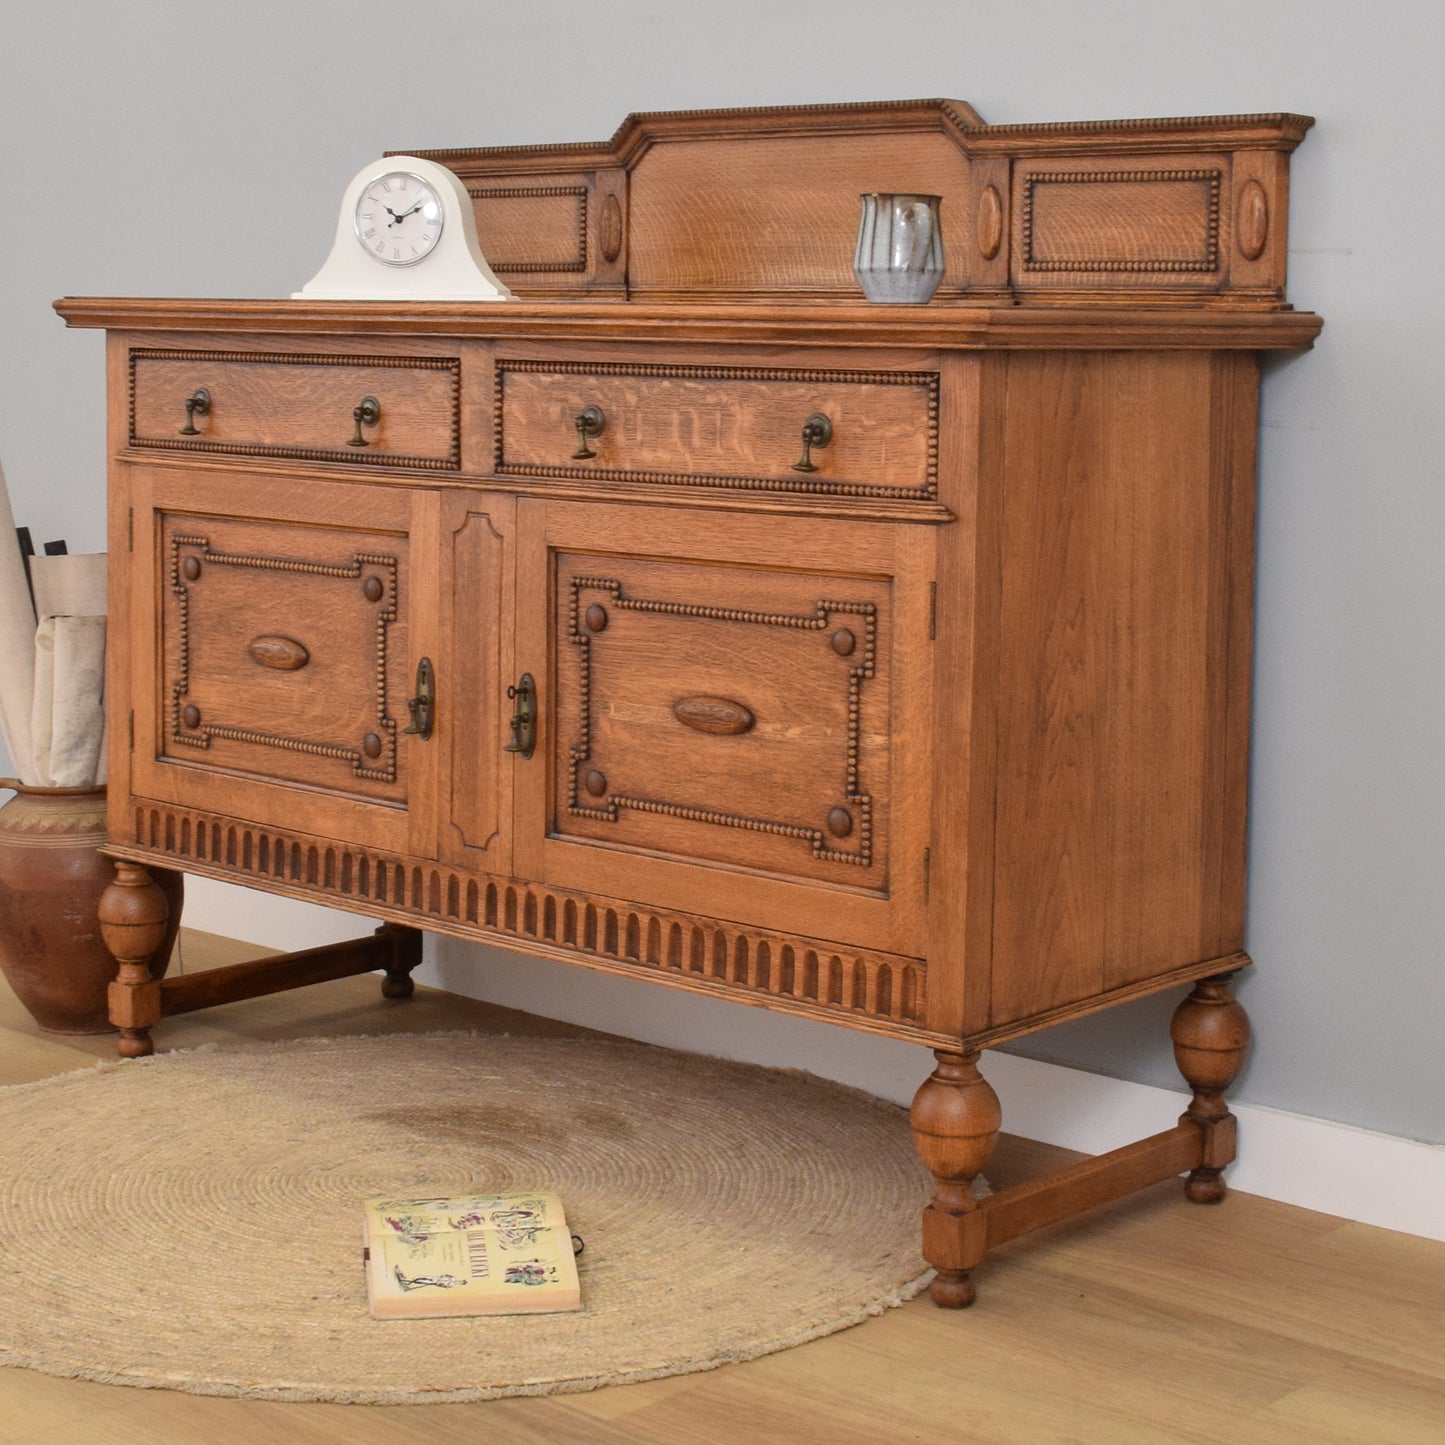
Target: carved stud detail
<point>596,617</point>
<point>285,654</point>
<point>371,745</point>
<point>611,227</point>
<point>720,716</point>
<point>843,642</point>
<point>990,223</point>
<point>840,822</point>
<point>192,568</point>
<point>191,715</point>
<point>373,589</point>
<point>1251,220</point>
<point>595,782</point>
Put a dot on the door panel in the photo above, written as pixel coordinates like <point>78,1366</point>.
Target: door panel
<point>723,727</point>
<point>277,653</point>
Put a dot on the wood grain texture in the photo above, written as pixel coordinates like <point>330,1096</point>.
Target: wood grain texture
<point>295,404</point>
<point>1112,794</point>
<point>721,426</point>
<point>938,731</point>
<point>764,202</point>
<point>684,618</point>
<point>1082,323</point>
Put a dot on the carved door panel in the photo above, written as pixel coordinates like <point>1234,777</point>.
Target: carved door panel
<point>276,649</point>
<point>733,718</point>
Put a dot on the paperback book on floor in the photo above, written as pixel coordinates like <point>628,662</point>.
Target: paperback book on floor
<point>471,1255</point>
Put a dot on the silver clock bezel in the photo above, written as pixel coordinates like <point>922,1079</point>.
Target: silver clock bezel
<point>356,218</point>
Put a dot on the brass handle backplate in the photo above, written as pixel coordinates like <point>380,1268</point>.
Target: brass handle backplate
<point>817,432</point>
<point>590,423</point>
<point>524,719</point>
<point>367,412</point>
<point>423,706</point>
<point>198,403</point>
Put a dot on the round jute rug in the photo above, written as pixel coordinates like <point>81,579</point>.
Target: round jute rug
<point>193,1221</point>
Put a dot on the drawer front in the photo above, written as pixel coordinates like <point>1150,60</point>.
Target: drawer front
<point>721,427</point>
<point>301,407</point>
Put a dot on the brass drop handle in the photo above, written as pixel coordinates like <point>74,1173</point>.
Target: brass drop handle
<point>524,719</point>
<point>367,412</point>
<point>817,432</point>
<point>198,403</point>
<point>590,423</point>
<point>423,706</point>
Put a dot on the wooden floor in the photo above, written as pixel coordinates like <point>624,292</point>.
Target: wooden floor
<point>1149,1320</point>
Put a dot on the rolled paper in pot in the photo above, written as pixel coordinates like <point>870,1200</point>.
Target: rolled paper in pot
<point>17,646</point>
<point>78,707</point>
<point>70,585</point>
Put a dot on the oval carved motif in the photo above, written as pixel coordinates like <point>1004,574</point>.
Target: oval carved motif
<point>611,238</point>
<point>720,715</point>
<point>1252,220</point>
<point>285,654</point>
<point>990,223</point>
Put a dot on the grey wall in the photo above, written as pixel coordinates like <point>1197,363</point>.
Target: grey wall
<point>169,148</point>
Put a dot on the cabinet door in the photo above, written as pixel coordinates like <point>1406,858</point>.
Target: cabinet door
<point>733,714</point>
<point>276,632</point>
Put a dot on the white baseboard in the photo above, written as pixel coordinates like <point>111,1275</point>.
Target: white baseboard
<point>1313,1163</point>
<point>285,924</point>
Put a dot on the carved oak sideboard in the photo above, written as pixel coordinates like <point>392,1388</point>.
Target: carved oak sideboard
<point>691,619</point>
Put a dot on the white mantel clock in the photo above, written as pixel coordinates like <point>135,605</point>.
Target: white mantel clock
<point>406,232</point>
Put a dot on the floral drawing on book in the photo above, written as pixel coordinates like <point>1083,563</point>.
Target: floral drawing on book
<point>459,1256</point>
<point>428,1281</point>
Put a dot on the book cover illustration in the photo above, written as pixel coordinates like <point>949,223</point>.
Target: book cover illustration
<point>474,1254</point>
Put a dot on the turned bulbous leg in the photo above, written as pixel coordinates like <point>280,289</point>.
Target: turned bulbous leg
<point>955,1118</point>
<point>1211,1036</point>
<point>133,916</point>
<point>405,955</point>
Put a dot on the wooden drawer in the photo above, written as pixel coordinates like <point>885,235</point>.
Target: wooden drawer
<point>299,406</point>
<point>723,427</point>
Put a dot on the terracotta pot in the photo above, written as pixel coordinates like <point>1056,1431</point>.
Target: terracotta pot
<point>51,878</point>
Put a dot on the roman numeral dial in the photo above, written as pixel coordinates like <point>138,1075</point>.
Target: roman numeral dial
<point>399,218</point>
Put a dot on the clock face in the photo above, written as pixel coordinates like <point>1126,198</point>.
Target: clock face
<point>399,219</point>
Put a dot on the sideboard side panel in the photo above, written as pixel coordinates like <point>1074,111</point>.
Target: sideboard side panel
<point>1120,765</point>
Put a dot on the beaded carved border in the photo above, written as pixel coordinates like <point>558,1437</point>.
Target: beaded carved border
<point>527,193</point>
<point>369,457</point>
<point>820,619</point>
<point>718,956</point>
<point>384,771</point>
<point>1208,263</point>
<point>926,492</point>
